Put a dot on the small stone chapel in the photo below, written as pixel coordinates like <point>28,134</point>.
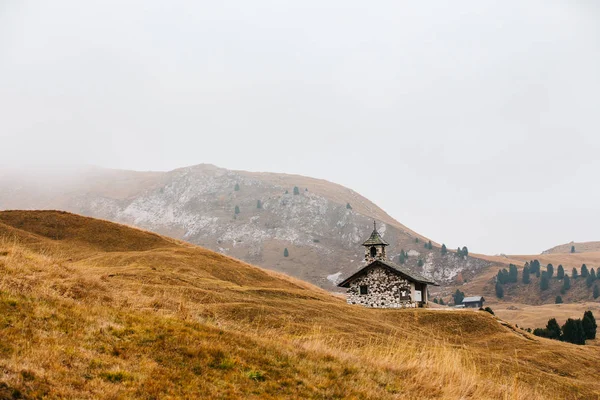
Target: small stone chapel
<point>383,284</point>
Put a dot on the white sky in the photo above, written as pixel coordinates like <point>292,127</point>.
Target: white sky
<point>475,122</point>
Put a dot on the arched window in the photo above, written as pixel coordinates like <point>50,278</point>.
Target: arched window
<point>373,251</point>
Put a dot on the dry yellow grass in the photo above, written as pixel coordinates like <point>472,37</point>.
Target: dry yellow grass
<point>91,309</point>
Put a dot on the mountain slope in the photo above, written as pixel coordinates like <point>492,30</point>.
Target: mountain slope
<point>83,315</point>
<point>322,224</point>
<point>581,247</point>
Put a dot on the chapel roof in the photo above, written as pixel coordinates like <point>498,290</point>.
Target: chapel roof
<point>375,238</point>
<point>399,269</point>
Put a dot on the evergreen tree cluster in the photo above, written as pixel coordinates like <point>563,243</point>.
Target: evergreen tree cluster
<point>462,252</point>
<point>428,245</point>
<point>439,301</point>
<point>575,331</point>
<point>508,276</point>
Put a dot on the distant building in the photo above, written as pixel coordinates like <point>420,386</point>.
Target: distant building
<point>473,302</point>
<point>383,284</point>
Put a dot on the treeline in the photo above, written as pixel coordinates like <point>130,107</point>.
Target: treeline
<point>575,331</point>
<point>511,275</point>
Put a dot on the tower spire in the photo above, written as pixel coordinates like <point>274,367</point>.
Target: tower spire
<point>374,225</point>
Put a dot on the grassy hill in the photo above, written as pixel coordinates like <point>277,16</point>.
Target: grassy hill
<point>580,247</point>
<point>91,309</point>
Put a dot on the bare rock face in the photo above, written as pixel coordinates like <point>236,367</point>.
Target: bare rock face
<point>251,216</point>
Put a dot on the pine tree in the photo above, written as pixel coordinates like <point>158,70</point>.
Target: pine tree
<point>429,245</point>
<point>420,262</point>
<point>560,272</point>
<point>596,292</point>
<point>513,273</point>
<point>237,187</point>
<point>402,257</point>
<point>442,302</point>
<point>286,192</point>
<point>296,190</point>
<point>550,271</point>
<point>436,301</point>
<point>584,271</point>
<point>237,210</point>
<point>589,280</point>
<point>535,267</point>
<point>286,253</point>
<point>416,240</point>
<point>553,329</point>
<point>572,249</point>
<point>258,204</point>
<point>459,252</point>
<point>544,282</point>
<point>526,274</point>
<point>558,300</point>
<point>566,284</point>
<point>589,325</point>
<point>444,250</point>
<point>348,206</point>
<point>499,290</point>
<point>593,274</point>
<point>458,297</point>
<point>574,273</point>
<point>573,331</point>
<point>465,251</point>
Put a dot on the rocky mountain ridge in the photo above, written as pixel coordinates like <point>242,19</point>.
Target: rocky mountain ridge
<point>251,216</point>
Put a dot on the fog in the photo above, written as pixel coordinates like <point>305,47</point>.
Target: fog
<point>474,123</point>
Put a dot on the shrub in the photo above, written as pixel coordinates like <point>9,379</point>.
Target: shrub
<point>258,376</point>
<point>558,300</point>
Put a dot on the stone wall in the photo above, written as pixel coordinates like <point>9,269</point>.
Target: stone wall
<point>384,290</point>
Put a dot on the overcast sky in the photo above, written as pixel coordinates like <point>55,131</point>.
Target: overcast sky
<point>474,123</point>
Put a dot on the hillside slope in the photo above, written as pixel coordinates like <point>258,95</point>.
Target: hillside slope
<point>322,226</point>
<point>580,247</point>
<point>90,309</point>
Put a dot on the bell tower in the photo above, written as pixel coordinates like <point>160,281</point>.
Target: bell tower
<point>375,246</point>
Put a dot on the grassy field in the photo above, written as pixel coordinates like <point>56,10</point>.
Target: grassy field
<point>91,309</point>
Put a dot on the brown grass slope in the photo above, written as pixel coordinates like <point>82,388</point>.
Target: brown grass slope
<point>580,247</point>
<point>91,309</point>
